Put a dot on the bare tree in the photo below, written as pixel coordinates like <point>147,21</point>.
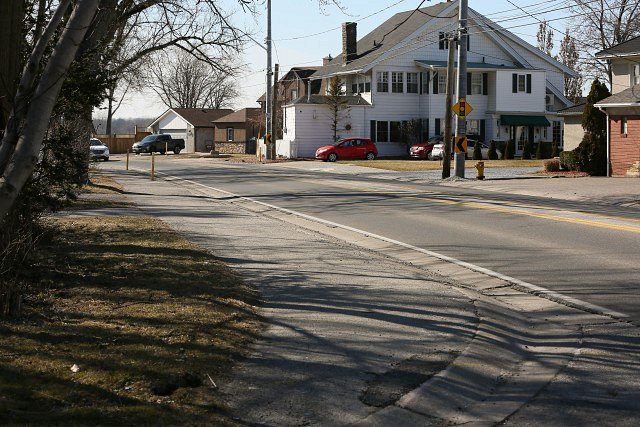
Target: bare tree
<point>545,38</point>
<point>183,81</point>
<point>570,57</point>
<point>600,25</point>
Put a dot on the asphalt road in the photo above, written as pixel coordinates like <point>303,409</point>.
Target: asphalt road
<point>586,251</point>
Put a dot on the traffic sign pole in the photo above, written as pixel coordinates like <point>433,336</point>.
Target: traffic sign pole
<point>461,129</point>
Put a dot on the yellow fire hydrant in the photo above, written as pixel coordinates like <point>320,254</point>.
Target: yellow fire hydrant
<point>480,168</point>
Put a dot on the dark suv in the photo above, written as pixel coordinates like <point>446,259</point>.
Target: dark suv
<point>158,143</point>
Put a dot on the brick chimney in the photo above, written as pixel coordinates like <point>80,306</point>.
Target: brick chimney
<point>326,60</point>
<point>349,42</point>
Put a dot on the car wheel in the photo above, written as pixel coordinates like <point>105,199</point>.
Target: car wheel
<point>332,157</point>
<point>106,159</point>
<point>430,156</point>
<point>371,156</point>
<point>176,150</point>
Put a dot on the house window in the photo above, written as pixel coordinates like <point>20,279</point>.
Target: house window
<point>361,84</point>
<point>636,74</point>
<point>545,133</point>
<point>230,134</point>
<point>522,83</point>
<point>397,84</point>
<point>476,84</point>
<point>412,82</point>
<point>498,129</point>
<point>425,82</point>
<point>442,83</point>
<point>294,94</point>
<point>473,127</point>
<point>383,81</point>
<point>443,41</point>
<point>382,131</point>
<point>396,131</point>
<point>624,126</point>
<point>557,132</point>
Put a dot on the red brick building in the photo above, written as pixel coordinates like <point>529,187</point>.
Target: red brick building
<point>623,108</point>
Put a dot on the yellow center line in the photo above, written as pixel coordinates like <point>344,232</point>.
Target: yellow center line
<point>483,206</point>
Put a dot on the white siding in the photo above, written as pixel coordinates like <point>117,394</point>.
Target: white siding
<point>509,102</point>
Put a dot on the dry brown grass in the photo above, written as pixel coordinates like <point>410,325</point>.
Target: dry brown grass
<point>147,317</point>
<point>411,165</point>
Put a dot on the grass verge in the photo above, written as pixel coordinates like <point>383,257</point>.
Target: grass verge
<point>150,320</point>
<point>411,165</point>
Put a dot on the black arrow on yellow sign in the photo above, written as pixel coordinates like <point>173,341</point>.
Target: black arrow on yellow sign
<point>461,144</point>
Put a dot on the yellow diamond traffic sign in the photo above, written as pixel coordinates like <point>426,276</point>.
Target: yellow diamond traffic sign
<point>462,108</point>
<point>267,139</point>
<point>461,144</point>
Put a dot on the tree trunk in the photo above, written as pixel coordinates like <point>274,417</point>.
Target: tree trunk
<point>26,87</point>
<point>43,101</point>
<point>12,16</point>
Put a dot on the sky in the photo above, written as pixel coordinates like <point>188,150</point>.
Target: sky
<point>303,34</point>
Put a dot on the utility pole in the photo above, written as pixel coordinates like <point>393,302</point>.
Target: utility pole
<point>268,105</point>
<point>446,160</point>
<point>461,129</point>
<point>274,117</point>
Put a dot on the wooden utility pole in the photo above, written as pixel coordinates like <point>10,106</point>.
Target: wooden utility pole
<point>446,161</point>
<point>274,118</point>
<point>461,129</point>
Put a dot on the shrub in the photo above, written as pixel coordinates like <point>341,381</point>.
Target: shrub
<point>526,151</point>
<point>552,165</point>
<point>591,155</point>
<point>492,154</point>
<point>509,150</point>
<point>477,151</point>
<point>555,151</point>
<point>541,151</point>
<point>566,160</point>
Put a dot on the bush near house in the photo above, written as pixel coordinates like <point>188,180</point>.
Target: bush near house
<point>552,165</point>
<point>492,153</point>
<point>541,151</point>
<point>477,152</point>
<point>509,150</point>
<point>555,151</point>
<point>567,161</point>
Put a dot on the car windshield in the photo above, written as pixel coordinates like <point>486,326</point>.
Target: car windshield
<point>435,139</point>
<point>95,143</point>
<point>149,138</point>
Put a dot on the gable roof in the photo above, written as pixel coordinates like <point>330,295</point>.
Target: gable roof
<point>382,39</point>
<point>352,100</point>
<point>574,110</point>
<point>400,27</point>
<point>196,117</point>
<point>630,47</point>
<point>628,97</point>
<point>201,117</point>
<point>302,73</point>
<point>240,116</point>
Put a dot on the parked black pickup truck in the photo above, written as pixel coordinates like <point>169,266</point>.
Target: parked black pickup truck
<point>158,143</point>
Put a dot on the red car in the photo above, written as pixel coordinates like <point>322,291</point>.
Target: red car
<point>423,149</point>
<point>348,148</point>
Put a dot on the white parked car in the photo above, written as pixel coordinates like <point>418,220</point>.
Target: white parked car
<point>438,150</point>
<point>97,150</point>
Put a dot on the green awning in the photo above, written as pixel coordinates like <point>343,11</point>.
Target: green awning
<point>511,120</point>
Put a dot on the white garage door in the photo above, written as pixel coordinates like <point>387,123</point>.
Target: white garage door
<point>176,133</point>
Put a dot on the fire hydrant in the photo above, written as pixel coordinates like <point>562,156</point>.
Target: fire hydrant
<point>480,168</point>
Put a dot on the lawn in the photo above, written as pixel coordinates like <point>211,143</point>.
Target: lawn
<point>125,322</point>
<point>411,165</point>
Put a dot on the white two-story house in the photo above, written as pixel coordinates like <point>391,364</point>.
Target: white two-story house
<point>397,73</point>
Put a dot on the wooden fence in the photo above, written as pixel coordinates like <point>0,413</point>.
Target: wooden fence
<point>119,144</point>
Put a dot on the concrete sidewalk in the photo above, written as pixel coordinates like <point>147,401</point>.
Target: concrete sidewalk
<point>361,332</point>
